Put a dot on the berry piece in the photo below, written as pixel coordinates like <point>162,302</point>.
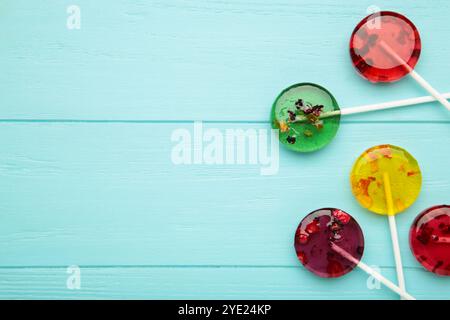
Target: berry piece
<point>313,227</point>
<point>340,215</point>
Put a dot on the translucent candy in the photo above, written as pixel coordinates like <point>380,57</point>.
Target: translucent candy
<point>429,239</point>
<point>372,170</point>
<point>369,41</point>
<point>316,234</point>
<point>298,113</point>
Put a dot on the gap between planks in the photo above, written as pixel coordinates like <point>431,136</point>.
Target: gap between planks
<point>169,266</point>
<point>131,121</point>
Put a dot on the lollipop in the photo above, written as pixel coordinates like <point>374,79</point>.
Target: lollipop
<point>308,116</point>
<point>330,243</point>
<point>429,239</point>
<point>297,114</point>
<point>385,47</point>
<point>386,180</point>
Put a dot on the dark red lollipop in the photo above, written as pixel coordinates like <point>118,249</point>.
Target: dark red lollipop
<point>316,234</point>
<point>429,239</point>
<point>369,56</point>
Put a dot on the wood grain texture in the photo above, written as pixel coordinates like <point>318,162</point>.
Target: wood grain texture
<point>86,119</point>
<point>190,60</point>
<point>199,282</point>
<point>94,187</point>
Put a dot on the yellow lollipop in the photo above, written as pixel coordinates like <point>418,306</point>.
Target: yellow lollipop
<point>386,180</point>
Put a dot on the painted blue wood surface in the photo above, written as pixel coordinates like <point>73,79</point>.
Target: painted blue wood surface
<point>85,123</point>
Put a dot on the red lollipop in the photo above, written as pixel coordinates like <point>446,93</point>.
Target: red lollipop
<point>314,236</point>
<point>429,239</point>
<point>330,243</point>
<point>385,46</point>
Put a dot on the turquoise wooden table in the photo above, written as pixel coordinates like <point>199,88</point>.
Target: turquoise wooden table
<point>86,174</point>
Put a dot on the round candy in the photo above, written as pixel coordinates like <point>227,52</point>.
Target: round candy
<point>308,102</point>
<point>314,238</point>
<point>368,46</point>
<point>369,174</point>
<point>429,239</point>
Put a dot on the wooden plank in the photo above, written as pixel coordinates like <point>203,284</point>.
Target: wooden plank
<point>209,283</point>
<point>109,194</point>
<point>189,60</point>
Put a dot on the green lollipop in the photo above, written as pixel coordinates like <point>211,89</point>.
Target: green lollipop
<point>307,116</point>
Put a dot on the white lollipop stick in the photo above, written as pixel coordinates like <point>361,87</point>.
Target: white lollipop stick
<point>443,240</point>
<point>430,89</point>
<point>376,107</point>
<point>372,272</point>
<point>391,104</point>
<point>394,233</point>
<point>421,81</point>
